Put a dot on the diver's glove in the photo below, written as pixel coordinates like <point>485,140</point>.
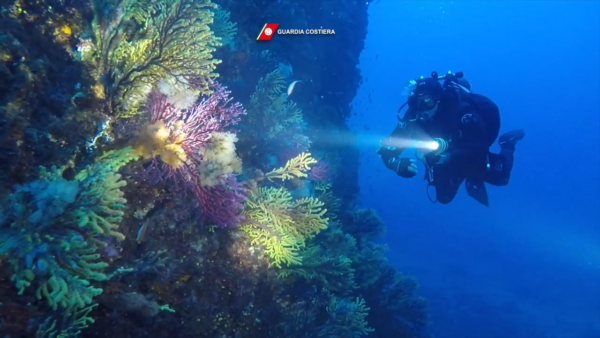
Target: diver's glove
<point>387,153</point>
<point>404,167</point>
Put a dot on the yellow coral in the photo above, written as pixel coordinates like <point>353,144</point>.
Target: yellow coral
<point>281,249</point>
<point>219,159</point>
<point>179,92</point>
<point>66,29</point>
<point>282,225</point>
<point>157,139</point>
<point>63,33</point>
<point>175,44</point>
<point>295,167</point>
<point>173,155</point>
<point>308,214</point>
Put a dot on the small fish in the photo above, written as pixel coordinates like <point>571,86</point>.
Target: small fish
<point>291,87</point>
<point>141,234</point>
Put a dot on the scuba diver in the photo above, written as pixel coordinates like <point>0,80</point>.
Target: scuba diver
<point>452,130</point>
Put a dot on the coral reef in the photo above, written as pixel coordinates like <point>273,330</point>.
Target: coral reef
<point>223,28</point>
<point>51,230</point>
<point>280,120</point>
<point>219,159</point>
<point>44,101</point>
<point>180,139</point>
<point>133,44</point>
<point>204,215</point>
<point>282,225</point>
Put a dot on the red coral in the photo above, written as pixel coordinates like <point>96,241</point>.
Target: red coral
<point>319,172</point>
<point>221,204</point>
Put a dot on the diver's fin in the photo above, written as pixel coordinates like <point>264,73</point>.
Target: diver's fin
<point>478,192</point>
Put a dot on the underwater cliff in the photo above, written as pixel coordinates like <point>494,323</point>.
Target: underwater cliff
<point>161,178</point>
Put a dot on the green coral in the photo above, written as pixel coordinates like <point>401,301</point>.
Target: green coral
<point>270,110</point>
<point>368,261</point>
<point>224,29</point>
<point>338,261</point>
<point>347,319</point>
<point>365,225</point>
<point>137,43</point>
<point>70,325</point>
<point>368,257</point>
<point>326,270</point>
<point>323,191</point>
<point>397,310</point>
<point>49,230</point>
<point>282,225</point>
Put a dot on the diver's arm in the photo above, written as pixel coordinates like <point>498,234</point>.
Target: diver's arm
<point>391,148</point>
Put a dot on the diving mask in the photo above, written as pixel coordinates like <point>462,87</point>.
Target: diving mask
<point>422,102</point>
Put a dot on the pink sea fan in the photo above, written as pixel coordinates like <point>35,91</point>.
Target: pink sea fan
<point>319,172</point>
<point>215,113</point>
<point>225,202</point>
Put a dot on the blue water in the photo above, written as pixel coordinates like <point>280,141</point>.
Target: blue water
<point>529,265</point>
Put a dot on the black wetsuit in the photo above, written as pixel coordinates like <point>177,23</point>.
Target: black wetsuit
<point>470,127</point>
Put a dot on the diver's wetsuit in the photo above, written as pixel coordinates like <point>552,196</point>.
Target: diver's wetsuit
<point>470,128</point>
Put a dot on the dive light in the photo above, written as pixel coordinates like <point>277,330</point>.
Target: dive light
<point>437,144</point>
